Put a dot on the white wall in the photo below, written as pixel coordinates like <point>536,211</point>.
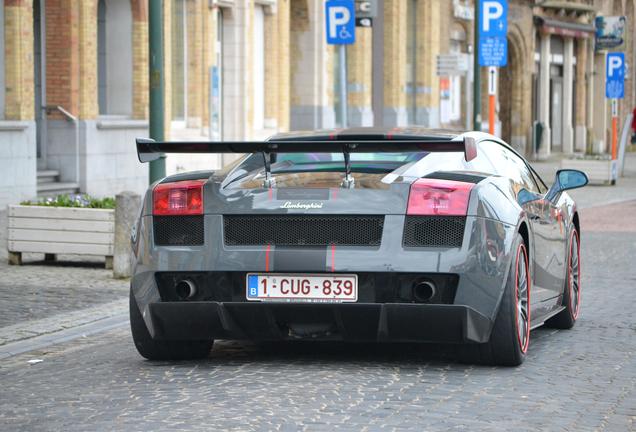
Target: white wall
<point>108,156</point>
<point>119,64</point>
<point>17,162</point>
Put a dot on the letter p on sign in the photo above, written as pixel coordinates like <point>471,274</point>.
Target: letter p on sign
<point>492,11</point>
<point>338,16</point>
<point>615,65</point>
<point>493,18</point>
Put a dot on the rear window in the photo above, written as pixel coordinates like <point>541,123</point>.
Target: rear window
<point>364,162</point>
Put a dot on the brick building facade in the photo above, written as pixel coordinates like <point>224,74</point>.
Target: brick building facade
<point>74,80</point>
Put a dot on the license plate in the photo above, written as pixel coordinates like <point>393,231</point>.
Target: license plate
<point>302,288</point>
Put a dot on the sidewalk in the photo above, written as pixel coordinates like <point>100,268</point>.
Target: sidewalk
<point>591,196</point>
<point>42,298</point>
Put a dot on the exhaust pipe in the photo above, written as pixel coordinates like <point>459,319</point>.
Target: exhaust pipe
<point>424,291</point>
<point>185,289</point>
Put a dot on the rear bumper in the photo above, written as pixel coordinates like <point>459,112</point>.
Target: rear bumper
<point>382,322</point>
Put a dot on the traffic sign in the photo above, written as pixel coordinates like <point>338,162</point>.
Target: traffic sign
<point>493,16</point>
<point>492,81</point>
<point>493,26</point>
<point>364,22</point>
<point>493,51</point>
<point>615,75</point>
<point>452,64</point>
<point>341,22</point>
<point>366,8</point>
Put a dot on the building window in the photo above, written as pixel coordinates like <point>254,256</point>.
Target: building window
<point>114,57</point>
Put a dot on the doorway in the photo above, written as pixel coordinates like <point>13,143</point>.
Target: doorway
<point>556,107</point>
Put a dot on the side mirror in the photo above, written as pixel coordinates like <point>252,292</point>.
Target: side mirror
<point>567,179</point>
<point>571,179</point>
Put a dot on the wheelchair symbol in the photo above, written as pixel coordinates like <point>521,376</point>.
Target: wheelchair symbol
<point>344,33</point>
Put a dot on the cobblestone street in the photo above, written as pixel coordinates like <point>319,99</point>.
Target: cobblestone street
<point>318,215</point>
<point>578,380</point>
<point>575,380</point>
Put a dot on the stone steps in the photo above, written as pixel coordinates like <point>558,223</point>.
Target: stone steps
<point>48,184</point>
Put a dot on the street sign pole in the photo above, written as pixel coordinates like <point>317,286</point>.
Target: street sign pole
<point>157,169</point>
<point>615,90</point>
<point>476,74</point>
<point>342,54</point>
<point>491,21</point>
<point>492,94</point>
<point>340,21</point>
<point>614,127</point>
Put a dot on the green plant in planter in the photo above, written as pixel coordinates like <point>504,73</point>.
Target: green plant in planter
<point>74,200</point>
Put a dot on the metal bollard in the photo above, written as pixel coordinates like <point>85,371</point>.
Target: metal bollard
<point>126,211</point>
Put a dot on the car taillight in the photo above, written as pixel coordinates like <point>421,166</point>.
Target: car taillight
<point>178,198</point>
<point>433,197</point>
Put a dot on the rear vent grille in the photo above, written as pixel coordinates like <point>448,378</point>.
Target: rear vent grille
<point>285,230</point>
<point>443,231</point>
<point>178,230</point>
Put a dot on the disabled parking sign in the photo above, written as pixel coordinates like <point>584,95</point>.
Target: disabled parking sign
<point>341,22</point>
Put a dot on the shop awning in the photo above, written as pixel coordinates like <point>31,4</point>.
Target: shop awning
<point>564,28</point>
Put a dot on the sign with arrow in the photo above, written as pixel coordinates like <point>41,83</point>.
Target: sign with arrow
<point>492,81</point>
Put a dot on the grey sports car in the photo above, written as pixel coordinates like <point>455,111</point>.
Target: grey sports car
<point>400,235</point>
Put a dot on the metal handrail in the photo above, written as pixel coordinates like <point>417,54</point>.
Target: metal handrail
<point>51,108</point>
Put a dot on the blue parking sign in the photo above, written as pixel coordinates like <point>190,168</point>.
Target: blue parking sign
<point>340,18</point>
<point>493,18</point>
<point>615,75</point>
<point>493,26</point>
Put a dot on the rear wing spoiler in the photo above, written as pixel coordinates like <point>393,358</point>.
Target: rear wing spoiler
<point>149,150</point>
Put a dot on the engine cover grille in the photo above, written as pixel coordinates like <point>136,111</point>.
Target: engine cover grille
<point>302,230</point>
<point>445,231</point>
<point>178,230</point>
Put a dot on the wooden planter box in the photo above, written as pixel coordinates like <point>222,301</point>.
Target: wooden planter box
<point>599,171</point>
<point>60,230</point>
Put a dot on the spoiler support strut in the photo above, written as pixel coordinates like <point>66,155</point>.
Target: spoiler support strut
<point>267,159</point>
<point>348,181</point>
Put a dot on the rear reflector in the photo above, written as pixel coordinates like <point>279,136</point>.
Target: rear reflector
<point>434,197</point>
<point>178,198</point>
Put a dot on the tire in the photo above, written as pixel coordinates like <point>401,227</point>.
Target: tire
<point>162,350</point>
<point>510,336</point>
<point>572,287</point>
